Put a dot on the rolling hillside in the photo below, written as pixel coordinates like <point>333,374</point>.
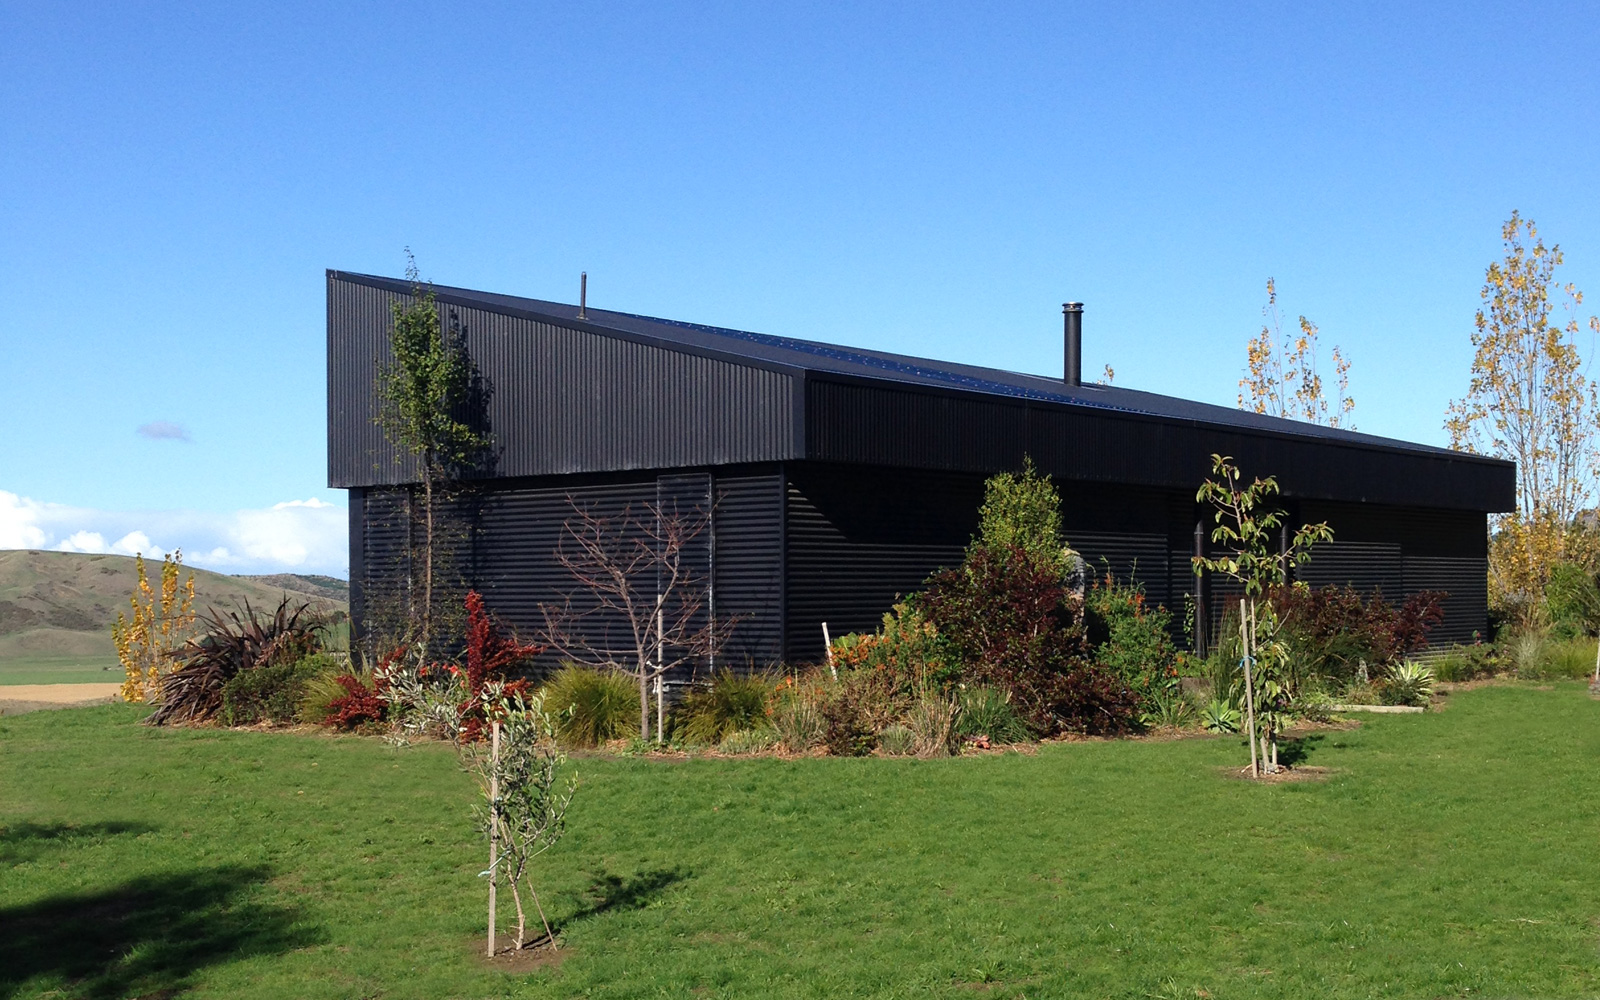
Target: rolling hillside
<point>56,609</point>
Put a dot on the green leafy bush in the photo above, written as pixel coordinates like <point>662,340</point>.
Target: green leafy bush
<point>1312,705</point>
<point>1572,601</point>
<point>730,703</point>
<point>591,706</point>
<point>987,711</point>
<point>272,692</point>
<point>1131,638</point>
<point>1467,663</point>
<point>757,740</point>
<point>1408,683</point>
<point>906,645</point>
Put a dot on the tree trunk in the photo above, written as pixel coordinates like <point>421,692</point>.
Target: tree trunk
<point>644,703</point>
<point>522,922</point>
<point>427,552</point>
<point>1247,630</point>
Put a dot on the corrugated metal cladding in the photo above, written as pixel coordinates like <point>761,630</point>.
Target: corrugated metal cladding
<point>509,537</point>
<point>900,426</point>
<point>857,539</point>
<point>560,400</point>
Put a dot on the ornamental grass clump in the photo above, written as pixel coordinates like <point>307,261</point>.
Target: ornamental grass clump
<point>590,706</point>
<point>988,712</point>
<point>730,703</point>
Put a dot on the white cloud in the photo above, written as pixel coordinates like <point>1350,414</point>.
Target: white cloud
<point>300,536</point>
<point>163,430</point>
<point>81,541</point>
<point>19,523</point>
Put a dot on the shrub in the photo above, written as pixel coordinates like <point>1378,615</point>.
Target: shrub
<point>1572,600</point>
<point>896,740</point>
<point>931,722</point>
<point>318,691</point>
<point>987,711</point>
<point>231,642</point>
<point>1313,706</point>
<point>1408,683</point>
<point>730,703</point>
<point>591,706</point>
<point>906,645</point>
<point>756,740</point>
<point>1130,638</point>
<point>360,705</point>
<point>857,707</point>
<point>1014,626</point>
<point>1331,630</point>
<point>1466,663</point>
<point>272,692</point>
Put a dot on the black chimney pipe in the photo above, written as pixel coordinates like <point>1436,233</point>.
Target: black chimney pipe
<point>1072,319</point>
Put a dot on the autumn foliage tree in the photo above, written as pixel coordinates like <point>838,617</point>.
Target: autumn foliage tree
<point>1529,401</point>
<point>159,625</point>
<point>1283,372</point>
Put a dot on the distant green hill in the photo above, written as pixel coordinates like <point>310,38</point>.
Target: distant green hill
<point>57,608</point>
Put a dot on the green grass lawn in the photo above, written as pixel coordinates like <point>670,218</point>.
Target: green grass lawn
<point>1450,854</point>
<point>47,669</point>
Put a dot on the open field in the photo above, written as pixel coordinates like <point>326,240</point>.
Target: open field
<point>56,609</point>
<point>1448,854</point>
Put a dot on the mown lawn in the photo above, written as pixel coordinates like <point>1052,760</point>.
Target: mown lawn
<point>1450,854</point>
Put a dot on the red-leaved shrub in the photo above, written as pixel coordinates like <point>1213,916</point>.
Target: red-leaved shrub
<point>360,705</point>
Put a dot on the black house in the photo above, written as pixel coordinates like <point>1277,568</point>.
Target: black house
<point>839,478</point>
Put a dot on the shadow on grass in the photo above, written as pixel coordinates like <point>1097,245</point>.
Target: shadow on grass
<point>1297,751</point>
<point>608,893</point>
<point>25,841</point>
<point>146,937</point>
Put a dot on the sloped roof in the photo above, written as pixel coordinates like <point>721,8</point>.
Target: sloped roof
<point>774,351</point>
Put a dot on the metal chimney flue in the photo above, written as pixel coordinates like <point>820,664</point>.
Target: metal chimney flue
<point>1072,321</point>
<point>583,295</point>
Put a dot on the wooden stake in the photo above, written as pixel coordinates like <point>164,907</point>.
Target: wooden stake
<point>827,644</point>
<point>494,822</point>
<point>1247,618</point>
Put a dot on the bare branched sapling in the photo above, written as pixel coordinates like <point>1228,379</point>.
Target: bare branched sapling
<point>638,605</point>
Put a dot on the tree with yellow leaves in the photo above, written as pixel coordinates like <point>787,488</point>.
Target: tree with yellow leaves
<point>159,625</point>
<point>1282,377</point>
<point>1530,401</point>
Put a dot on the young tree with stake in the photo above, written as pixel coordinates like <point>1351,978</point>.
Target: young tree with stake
<point>524,814</point>
<point>1248,530</point>
<point>423,394</point>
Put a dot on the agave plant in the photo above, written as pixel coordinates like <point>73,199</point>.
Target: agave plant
<point>1408,683</point>
<point>1220,716</point>
<point>232,642</point>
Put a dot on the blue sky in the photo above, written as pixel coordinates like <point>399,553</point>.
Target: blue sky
<point>927,178</point>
